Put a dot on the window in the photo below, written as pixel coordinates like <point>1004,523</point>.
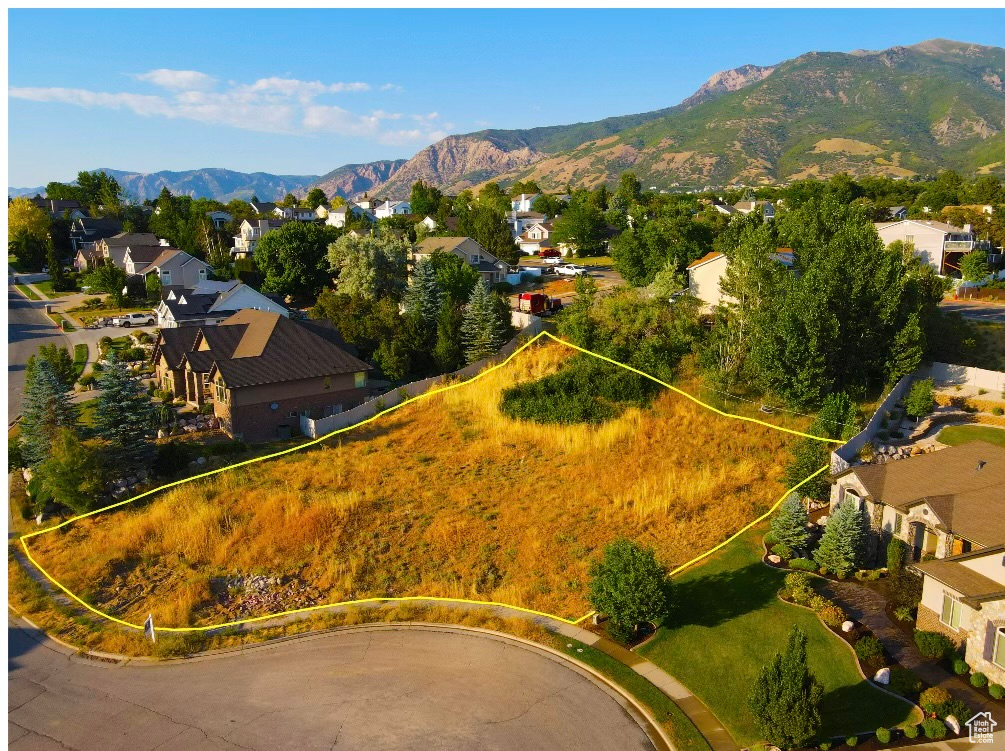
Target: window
<point>293,414</point>
<point>951,609</point>
<point>475,259</point>
<point>221,392</point>
<point>898,523</point>
<point>998,655</point>
<point>360,379</point>
<point>165,278</point>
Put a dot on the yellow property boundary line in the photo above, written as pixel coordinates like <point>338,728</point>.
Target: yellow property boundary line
<point>432,392</point>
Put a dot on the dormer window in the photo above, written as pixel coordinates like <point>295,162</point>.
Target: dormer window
<point>475,259</point>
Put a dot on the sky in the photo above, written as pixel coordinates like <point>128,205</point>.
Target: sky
<point>301,92</point>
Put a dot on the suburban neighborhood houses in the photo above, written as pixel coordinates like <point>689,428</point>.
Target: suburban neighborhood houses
<point>680,428</point>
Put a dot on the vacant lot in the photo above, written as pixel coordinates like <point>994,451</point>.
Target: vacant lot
<point>444,497</point>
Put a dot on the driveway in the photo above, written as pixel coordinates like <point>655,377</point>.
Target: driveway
<point>28,328</point>
<point>379,689</point>
<point>975,311</point>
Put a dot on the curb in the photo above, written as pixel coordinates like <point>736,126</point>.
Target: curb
<point>629,703</point>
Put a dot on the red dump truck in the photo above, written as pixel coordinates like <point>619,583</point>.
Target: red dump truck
<point>538,304</point>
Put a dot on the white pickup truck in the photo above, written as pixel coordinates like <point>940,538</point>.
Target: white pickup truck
<point>134,319</point>
<point>570,269</point>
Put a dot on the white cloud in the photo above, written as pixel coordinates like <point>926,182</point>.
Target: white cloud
<point>273,105</point>
<point>177,79</point>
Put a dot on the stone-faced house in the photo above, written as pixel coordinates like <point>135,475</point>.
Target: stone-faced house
<point>261,371</point>
<point>963,597</point>
<point>942,504</point>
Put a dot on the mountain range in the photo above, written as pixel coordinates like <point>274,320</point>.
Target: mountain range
<point>902,112</point>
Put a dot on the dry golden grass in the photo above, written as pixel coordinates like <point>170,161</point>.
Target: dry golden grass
<point>444,497</point>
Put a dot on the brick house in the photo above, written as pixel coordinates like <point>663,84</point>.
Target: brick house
<point>261,371</point>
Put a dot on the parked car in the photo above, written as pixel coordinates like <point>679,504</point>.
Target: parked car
<point>551,253</point>
<point>570,269</point>
<point>554,259</point>
<point>134,319</point>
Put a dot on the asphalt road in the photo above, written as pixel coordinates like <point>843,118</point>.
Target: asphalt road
<point>28,328</point>
<point>402,689</point>
<point>976,311</point>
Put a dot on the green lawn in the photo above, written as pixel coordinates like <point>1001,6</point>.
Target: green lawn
<point>728,622</point>
<point>16,264</point>
<point>79,358</point>
<point>957,434</point>
<point>46,289</point>
<point>683,732</point>
<point>593,261</point>
<point>86,412</point>
<point>26,292</point>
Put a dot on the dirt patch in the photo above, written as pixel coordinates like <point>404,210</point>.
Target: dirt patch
<point>845,145</point>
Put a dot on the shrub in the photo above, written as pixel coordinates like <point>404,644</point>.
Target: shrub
<point>997,411</point>
<point>802,564</point>
<point>882,435</point>
<point>852,740</point>
<point>782,551</point>
<point>832,615</point>
<point>903,614</point>
<point>934,729</point>
<point>960,666</point>
<point>172,458</point>
<point>997,691</point>
<point>797,584</point>
<point>933,698</point>
<point>954,708</point>
<point>904,682</point>
<point>584,390</point>
<point>920,399</point>
<point>883,735</point>
<point>133,354</point>
<point>978,680</point>
<point>911,731</point>
<point>867,575</point>
<point>869,649</point>
<point>933,645</point>
<point>770,539</point>
<point>86,380</point>
<point>826,746</point>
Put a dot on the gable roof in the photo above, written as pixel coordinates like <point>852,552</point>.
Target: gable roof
<point>255,347</point>
<point>144,254</point>
<point>963,485</point>
<point>133,238</point>
<point>174,343</point>
<point>943,227</point>
<point>710,256</point>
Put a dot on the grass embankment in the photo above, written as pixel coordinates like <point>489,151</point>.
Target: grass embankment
<point>445,497</point>
<point>959,434</point>
<point>673,720</point>
<point>727,624</point>
<point>46,289</point>
<point>27,292</point>
<point>80,353</point>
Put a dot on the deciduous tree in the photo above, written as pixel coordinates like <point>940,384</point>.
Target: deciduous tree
<point>629,586</point>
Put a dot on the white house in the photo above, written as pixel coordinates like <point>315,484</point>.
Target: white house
<point>211,302</point>
<point>219,218</point>
<point>747,207</point>
<point>523,201</point>
<point>488,266</point>
<point>937,244</point>
<point>251,232</point>
<point>519,221</point>
<point>392,208</point>
<point>295,213</point>
<point>337,217</point>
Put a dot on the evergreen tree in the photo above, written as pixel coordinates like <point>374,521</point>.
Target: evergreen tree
<point>486,325</point>
<point>447,354</point>
<point>785,700</point>
<point>907,351</point>
<point>423,296</point>
<point>46,409</point>
<point>60,361</point>
<point>56,274</point>
<point>72,475</point>
<point>789,524</point>
<point>124,417</point>
<point>808,457</point>
<point>843,544</point>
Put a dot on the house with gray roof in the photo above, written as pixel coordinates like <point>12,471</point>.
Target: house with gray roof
<point>491,269</point>
<point>211,302</point>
